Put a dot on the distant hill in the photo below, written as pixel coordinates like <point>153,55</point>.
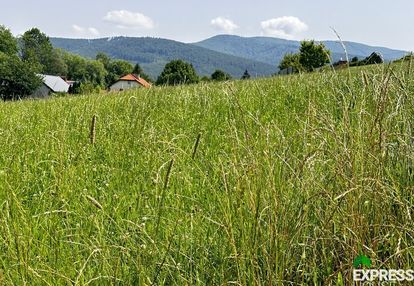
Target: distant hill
<point>271,50</point>
<point>152,54</point>
<point>233,54</point>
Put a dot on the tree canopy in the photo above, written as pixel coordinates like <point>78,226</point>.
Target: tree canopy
<point>37,49</point>
<point>85,70</point>
<point>313,55</point>
<point>291,61</point>
<point>178,72</point>
<point>17,78</point>
<point>310,57</point>
<point>117,69</point>
<point>220,75</point>
<point>8,43</point>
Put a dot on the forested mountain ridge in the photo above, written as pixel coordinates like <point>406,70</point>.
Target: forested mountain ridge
<point>153,53</point>
<point>272,50</point>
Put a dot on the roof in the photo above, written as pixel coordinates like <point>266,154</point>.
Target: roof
<point>132,77</point>
<point>55,83</point>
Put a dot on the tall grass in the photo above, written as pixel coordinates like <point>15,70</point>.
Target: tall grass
<point>280,181</point>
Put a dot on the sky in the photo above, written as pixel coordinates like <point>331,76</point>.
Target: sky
<point>382,22</point>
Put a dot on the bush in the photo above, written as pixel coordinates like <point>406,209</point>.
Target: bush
<point>220,75</point>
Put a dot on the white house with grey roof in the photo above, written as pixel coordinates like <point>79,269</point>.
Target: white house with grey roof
<point>51,84</point>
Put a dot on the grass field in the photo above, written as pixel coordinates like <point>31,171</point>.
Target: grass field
<point>280,181</point>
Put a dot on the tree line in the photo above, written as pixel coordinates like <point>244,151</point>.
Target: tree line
<point>23,58</point>
<point>312,56</point>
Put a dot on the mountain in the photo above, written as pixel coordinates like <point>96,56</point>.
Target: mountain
<point>271,50</point>
<point>153,53</point>
<point>232,54</point>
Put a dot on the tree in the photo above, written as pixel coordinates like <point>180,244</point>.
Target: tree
<point>117,69</point>
<point>137,70</point>
<point>17,78</point>
<point>354,60</point>
<point>56,64</point>
<point>85,71</point>
<point>178,72</point>
<point>312,55</point>
<point>104,59</point>
<point>38,50</point>
<point>140,72</point>
<point>8,44</point>
<point>76,67</point>
<point>373,59</point>
<point>95,73</point>
<point>291,61</point>
<point>245,75</point>
<point>220,75</point>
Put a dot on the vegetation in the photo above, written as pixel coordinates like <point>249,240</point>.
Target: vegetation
<point>311,56</point>
<point>178,72</point>
<point>8,44</point>
<point>272,50</point>
<point>153,54</point>
<point>374,58</point>
<point>220,75</point>
<point>17,78</point>
<point>291,61</point>
<point>140,72</point>
<point>36,55</point>
<point>280,181</point>
<point>246,75</point>
<point>86,71</point>
<point>37,50</point>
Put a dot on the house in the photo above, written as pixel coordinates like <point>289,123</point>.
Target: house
<point>51,84</point>
<point>128,82</point>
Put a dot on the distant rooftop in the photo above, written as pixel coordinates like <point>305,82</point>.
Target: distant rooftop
<point>55,83</point>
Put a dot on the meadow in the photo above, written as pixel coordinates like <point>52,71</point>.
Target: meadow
<point>279,181</point>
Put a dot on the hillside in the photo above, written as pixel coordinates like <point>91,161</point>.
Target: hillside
<point>278,181</point>
<point>152,54</point>
<point>271,50</point>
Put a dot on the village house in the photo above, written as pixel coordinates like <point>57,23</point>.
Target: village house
<point>128,82</point>
<point>51,84</point>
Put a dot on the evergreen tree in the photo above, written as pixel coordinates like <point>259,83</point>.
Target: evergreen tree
<point>137,70</point>
<point>245,75</point>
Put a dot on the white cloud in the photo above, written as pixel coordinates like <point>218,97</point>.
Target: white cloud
<point>285,27</point>
<point>223,24</point>
<point>126,19</point>
<point>85,32</point>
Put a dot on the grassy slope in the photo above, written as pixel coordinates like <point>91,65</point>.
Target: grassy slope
<point>292,178</point>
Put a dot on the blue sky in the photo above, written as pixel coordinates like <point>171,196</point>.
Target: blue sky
<point>385,23</point>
